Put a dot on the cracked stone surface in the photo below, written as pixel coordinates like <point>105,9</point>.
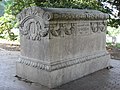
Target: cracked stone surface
<point>101,80</point>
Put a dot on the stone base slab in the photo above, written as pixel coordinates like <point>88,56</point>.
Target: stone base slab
<point>61,76</point>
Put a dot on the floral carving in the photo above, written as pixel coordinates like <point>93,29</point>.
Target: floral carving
<point>98,26</point>
<point>94,26</point>
<point>102,26</point>
<point>62,29</point>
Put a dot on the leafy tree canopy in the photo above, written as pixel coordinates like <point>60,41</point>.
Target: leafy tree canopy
<point>112,7</point>
<point>7,21</point>
<point>107,6</point>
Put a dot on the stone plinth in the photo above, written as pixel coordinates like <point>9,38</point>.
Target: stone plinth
<point>61,45</point>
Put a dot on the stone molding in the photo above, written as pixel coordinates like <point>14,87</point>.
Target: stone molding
<point>58,65</point>
<point>64,13</point>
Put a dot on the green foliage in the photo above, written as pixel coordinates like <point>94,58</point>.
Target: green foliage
<point>7,22</point>
<point>110,44</point>
<point>112,31</point>
<point>114,20</point>
<point>118,45</point>
<point>8,5</point>
<point>19,5</point>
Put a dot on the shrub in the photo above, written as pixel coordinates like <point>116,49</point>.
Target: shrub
<point>7,22</point>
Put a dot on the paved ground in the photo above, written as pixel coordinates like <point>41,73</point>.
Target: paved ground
<point>102,80</point>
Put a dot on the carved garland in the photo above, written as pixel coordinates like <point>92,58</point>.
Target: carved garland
<point>62,29</point>
<point>52,67</point>
<point>98,26</point>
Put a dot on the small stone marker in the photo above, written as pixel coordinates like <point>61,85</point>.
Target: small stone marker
<point>60,45</point>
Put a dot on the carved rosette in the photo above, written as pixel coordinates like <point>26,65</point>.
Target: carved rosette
<point>34,23</point>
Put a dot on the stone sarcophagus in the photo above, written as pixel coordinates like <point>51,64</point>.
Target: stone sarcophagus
<point>60,45</point>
